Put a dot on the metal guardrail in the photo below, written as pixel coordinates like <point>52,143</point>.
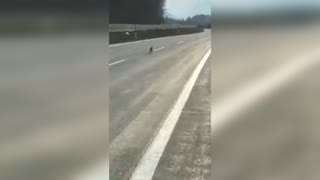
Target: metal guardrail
<point>136,27</point>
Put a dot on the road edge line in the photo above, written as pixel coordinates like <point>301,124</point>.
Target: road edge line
<point>148,163</point>
<point>145,40</point>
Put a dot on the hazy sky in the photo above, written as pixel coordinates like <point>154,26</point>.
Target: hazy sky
<point>185,8</point>
<point>254,6</point>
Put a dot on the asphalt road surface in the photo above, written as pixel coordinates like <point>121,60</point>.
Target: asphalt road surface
<point>265,103</point>
<point>143,88</point>
<point>188,153</point>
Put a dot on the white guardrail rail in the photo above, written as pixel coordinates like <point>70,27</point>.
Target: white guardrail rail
<point>138,27</point>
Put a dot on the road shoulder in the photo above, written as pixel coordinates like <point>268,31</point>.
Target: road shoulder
<point>187,155</point>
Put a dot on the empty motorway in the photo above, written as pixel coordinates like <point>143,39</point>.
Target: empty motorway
<point>143,88</point>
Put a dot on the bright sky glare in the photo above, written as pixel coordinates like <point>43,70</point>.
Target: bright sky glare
<point>186,8</point>
<point>258,5</point>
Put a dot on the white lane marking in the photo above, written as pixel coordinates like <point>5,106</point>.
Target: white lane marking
<point>128,43</point>
<point>158,49</point>
<point>180,42</point>
<point>148,163</point>
<point>146,40</point>
<point>118,62</point>
<point>224,112</point>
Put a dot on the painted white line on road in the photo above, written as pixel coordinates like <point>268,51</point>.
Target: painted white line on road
<point>148,163</point>
<point>158,49</point>
<point>122,44</point>
<point>224,112</point>
<point>118,62</point>
<point>135,42</point>
<point>180,42</point>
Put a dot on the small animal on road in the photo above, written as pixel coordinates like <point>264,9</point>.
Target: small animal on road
<point>151,49</point>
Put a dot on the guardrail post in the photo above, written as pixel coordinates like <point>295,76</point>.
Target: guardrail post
<point>135,31</point>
